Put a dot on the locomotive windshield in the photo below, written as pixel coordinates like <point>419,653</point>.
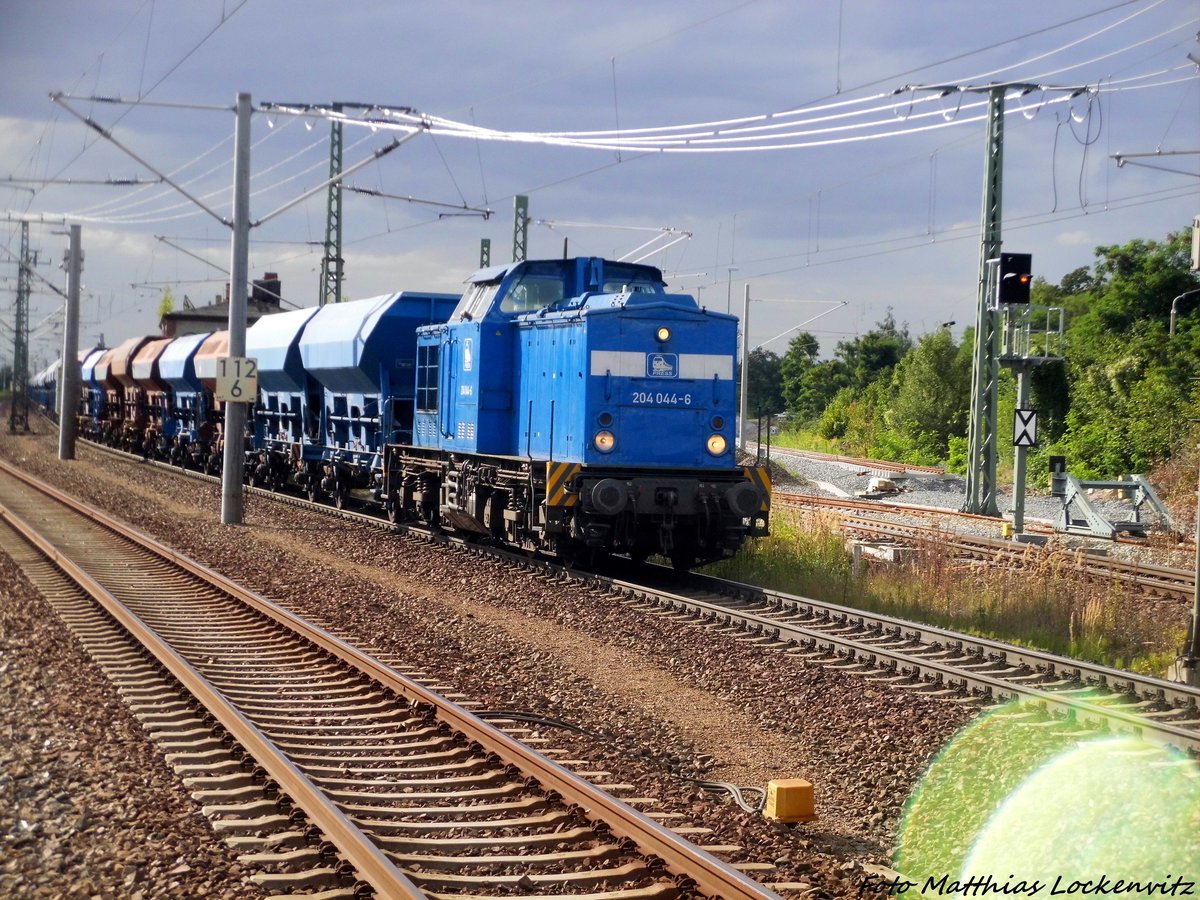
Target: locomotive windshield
<point>546,284</point>
<point>631,278</point>
<point>539,286</point>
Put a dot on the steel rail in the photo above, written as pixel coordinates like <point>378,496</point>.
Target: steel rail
<point>371,864</point>
<point>983,685</point>
<point>1049,664</point>
<point>680,856</point>
<point>1162,579</point>
<point>811,500</point>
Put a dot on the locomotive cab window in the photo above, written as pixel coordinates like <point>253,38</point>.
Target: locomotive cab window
<point>475,302</point>
<point>638,286</point>
<point>634,279</point>
<point>540,287</point>
<point>427,377</point>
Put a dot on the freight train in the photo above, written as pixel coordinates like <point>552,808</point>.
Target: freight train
<point>572,407</point>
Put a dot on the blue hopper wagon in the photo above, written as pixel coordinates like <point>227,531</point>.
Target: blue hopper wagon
<point>336,385</point>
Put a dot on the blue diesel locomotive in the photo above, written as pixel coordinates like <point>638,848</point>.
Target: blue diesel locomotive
<point>574,406</point>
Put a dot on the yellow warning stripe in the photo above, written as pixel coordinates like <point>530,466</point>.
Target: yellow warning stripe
<point>760,477</point>
<point>558,480</point>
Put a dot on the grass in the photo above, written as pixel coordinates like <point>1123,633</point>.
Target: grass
<point>805,440</point>
<point>1043,605</point>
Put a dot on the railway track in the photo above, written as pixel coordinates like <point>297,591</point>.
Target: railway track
<point>909,656</point>
<point>329,770</point>
<point>1147,578</point>
<point>1154,580</point>
<point>875,465</point>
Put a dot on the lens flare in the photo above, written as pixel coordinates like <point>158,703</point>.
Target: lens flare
<point>1018,804</point>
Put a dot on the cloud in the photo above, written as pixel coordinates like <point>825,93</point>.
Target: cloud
<point>1075,239</point>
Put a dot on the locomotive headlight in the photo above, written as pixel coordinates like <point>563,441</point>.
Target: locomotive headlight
<point>716,444</point>
<point>663,334</point>
<point>604,441</point>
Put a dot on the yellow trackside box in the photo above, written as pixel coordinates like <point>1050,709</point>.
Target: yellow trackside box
<point>790,800</point>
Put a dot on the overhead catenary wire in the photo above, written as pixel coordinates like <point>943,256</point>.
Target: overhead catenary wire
<point>950,105</point>
<point>196,200</point>
<point>107,134</point>
<point>225,17</point>
<point>405,120</point>
<point>727,125</point>
<point>479,134</point>
<point>154,216</point>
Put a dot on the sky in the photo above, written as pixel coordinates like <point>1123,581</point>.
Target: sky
<point>860,194</point>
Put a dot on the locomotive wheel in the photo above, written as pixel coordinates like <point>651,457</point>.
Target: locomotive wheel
<point>339,498</point>
<point>311,492</point>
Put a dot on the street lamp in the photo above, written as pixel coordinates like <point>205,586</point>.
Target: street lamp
<point>1186,295</point>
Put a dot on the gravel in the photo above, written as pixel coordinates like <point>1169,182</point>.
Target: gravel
<point>665,702</point>
<point>88,808</point>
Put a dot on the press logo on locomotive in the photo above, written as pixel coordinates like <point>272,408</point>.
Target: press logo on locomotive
<point>662,365</point>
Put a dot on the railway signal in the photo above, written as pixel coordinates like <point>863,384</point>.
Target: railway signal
<point>1015,277</point>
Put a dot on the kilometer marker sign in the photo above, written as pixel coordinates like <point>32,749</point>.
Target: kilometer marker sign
<point>237,379</point>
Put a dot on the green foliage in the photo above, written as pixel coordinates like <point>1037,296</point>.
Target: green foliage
<point>1041,605</point>
<point>1118,403</point>
<point>816,388</point>
<point>805,391</point>
<point>809,387</point>
<point>1139,280</point>
<point>957,454</point>
<point>874,355</point>
<point>930,392</point>
<point>167,304</point>
<point>835,420</point>
<point>1129,382</point>
<point>764,384</point>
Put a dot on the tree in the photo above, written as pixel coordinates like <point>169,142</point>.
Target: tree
<point>1139,279</point>
<point>1077,281</point>
<point>764,384</point>
<point>800,358</point>
<point>1130,386</point>
<point>931,389</point>
<point>874,354</point>
<point>167,304</point>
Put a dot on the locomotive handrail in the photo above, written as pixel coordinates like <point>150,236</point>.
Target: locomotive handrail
<point>444,389</point>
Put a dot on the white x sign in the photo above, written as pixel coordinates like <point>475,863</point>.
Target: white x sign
<point>1025,428</point>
